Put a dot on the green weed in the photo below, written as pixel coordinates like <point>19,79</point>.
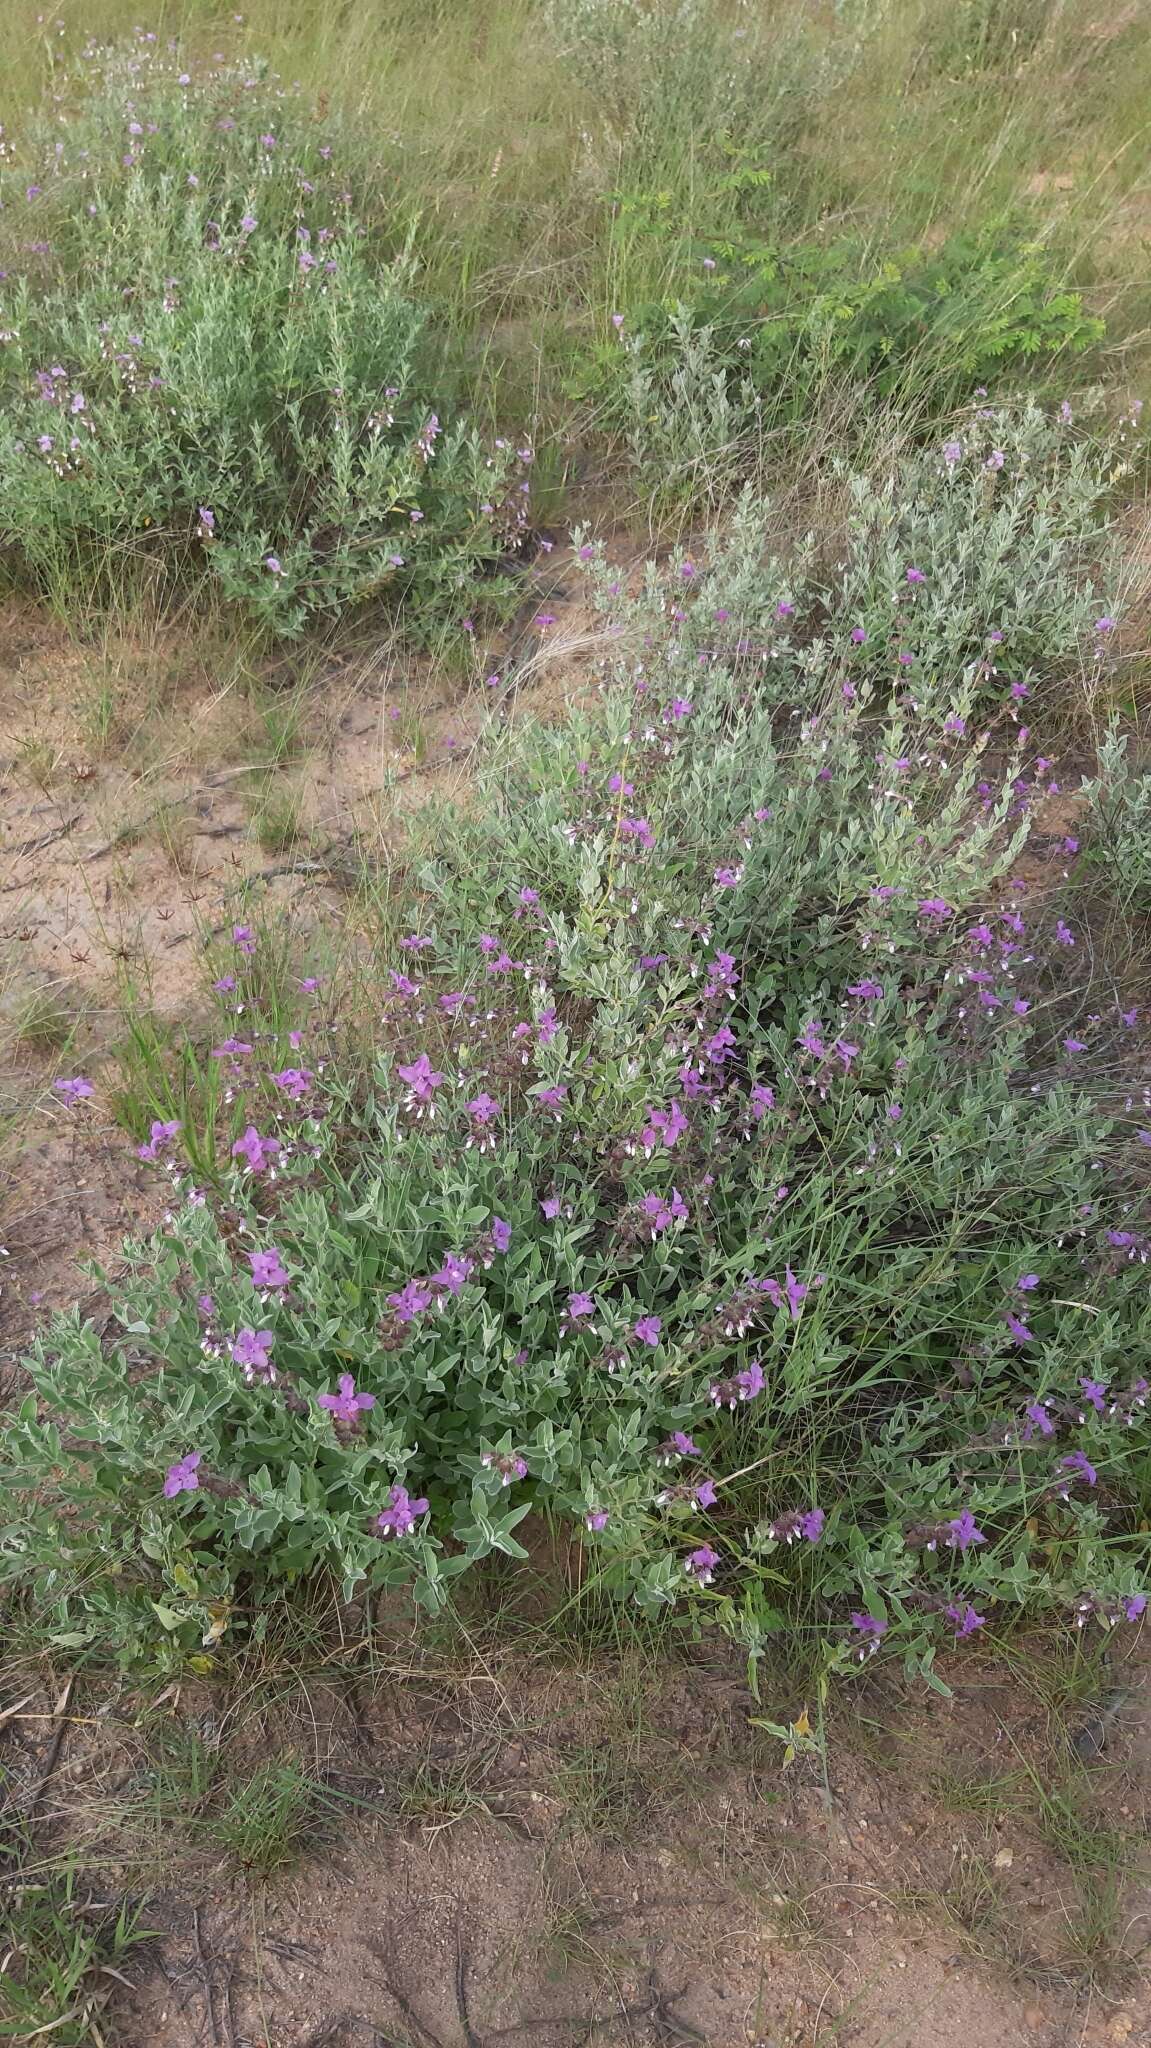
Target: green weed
<point>58,1953</point>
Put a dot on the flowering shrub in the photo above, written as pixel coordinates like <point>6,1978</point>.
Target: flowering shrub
<point>205,363</point>
<point>694,382</point>
<point>985,557</point>
<point>729,1182</point>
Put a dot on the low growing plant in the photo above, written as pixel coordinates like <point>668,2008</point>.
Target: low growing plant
<point>986,556</point>
<point>209,370</point>
<point>760,337</point>
<point>730,1182</point>
<point>1119,804</point>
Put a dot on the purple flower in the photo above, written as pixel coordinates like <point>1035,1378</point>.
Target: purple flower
<point>728,878</point>
<point>1104,625</point>
<point>452,1274</point>
<point>1019,1330</point>
<point>796,1291</point>
<point>639,830</point>
<point>704,1493</point>
<point>798,1523</point>
<point>401,1514</point>
<point>258,1152</point>
<point>870,1628</point>
<point>422,1080</point>
<point>952,453</point>
<point>1026,1282</point>
<point>161,1134</point>
<point>250,1349</point>
<point>347,1404</point>
<point>762,1099</point>
<point>596,1520</point>
<point>550,1207</point>
<point>509,1467</point>
<point>1065,936</point>
<point>647,1329</point>
<point>410,1300</point>
<point>501,1234</point>
<point>742,1386</point>
<point>661,1211</point>
<point>701,1564</point>
<point>243,938</point>
<point>684,1446</point>
<point>867,990</point>
<point>962,1532</point>
<point>75,1090</point>
<point>664,1127</point>
<point>579,1305</point>
<point>1037,1418</point>
<point>225,985</point>
<point>858,636</point>
<point>181,1477</point>
<point>1094,1392</point>
<point>916,576</point>
<point>295,1081</point>
<point>935,909</point>
<point>965,1618</point>
<point>1079,1463</point>
<point>1134,1606</point>
<point>267,1270</point>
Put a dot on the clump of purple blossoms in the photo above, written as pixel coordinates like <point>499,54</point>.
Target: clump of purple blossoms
<point>183,1476</point>
<point>160,1135</point>
<point>400,1516</point>
<point>251,1349</point>
<point>870,1629</point>
<point>742,1386</point>
<point>422,1082</point>
<point>294,1081</point>
<point>962,1531</point>
<point>509,1467</point>
<point>257,1153</point>
<point>267,1270</point>
<point>346,1405</point>
<point>700,1564</point>
<point>800,1523</point>
<point>78,1089</point>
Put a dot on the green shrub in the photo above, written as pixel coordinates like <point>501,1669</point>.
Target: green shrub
<point>756,345</point>
<point>1119,804</point>
<point>208,368</point>
<point>987,556</point>
<point>729,1172</point>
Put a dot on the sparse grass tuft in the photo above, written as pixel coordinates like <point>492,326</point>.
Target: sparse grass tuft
<point>270,1820</point>
<point>59,1956</point>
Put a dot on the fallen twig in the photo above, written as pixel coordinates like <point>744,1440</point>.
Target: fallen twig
<point>206,1975</point>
